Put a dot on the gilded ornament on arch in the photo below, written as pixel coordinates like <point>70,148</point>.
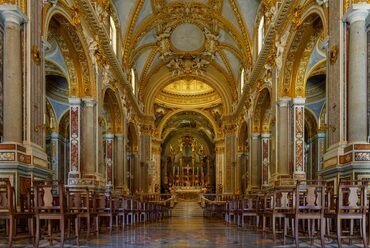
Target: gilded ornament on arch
<point>76,16</point>
<point>36,55</point>
<point>333,54</point>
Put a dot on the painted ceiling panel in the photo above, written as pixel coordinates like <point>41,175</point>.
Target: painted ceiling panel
<point>228,13</point>
<point>141,61</point>
<point>124,8</point>
<point>145,12</point>
<point>248,9</point>
<point>155,62</point>
<point>220,62</point>
<point>226,38</point>
<point>234,63</point>
<point>148,38</point>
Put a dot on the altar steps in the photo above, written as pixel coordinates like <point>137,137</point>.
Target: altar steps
<point>187,210</point>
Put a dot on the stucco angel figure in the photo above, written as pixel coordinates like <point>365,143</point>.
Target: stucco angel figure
<point>211,40</point>
<point>280,45</point>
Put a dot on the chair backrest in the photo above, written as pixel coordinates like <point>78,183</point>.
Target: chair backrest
<point>352,196</point>
<point>7,200</point>
<point>80,199</point>
<point>279,199</point>
<point>44,199</point>
<point>310,195</point>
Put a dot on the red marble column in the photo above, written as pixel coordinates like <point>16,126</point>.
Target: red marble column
<point>265,140</point>
<point>75,141</point>
<point>109,158</point>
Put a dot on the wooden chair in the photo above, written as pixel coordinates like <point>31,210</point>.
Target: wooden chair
<point>8,212</point>
<point>351,205</point>
<point>105,209</point>
<point>81,201</point>
<point>309,207</point>
<point>49,208</point>
<point>249,210</point>
<point>277,203</point>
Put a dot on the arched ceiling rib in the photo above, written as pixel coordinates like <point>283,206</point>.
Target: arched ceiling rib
<point>154,38</point>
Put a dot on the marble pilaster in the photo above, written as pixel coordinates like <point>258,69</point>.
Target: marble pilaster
<point>75,140</point>
<point>88,138</point>
<point>298,138</point>
<point>119,166</point>
<point>255,174</point>
<point>13,92</point>
<point>357,85</point>
<point>283,136</point>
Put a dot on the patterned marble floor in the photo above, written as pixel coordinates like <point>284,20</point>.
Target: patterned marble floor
<point>179,232</point>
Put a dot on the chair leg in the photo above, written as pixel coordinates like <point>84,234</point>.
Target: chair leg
<point>296,232</point>
<point>364,237</point>
<point>50,233</point>
<point>339,233</point>
<point>273,220</point>
<point>11,230</point>
<point>88,226</point>
<point>37,239</point>
<point>97,226</point>
<point>77,230</point>
<point>286,221</point>
<point>62,229</point>
<point>322,232</point>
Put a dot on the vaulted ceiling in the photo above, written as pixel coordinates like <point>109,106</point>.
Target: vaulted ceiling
<point>199,42</point>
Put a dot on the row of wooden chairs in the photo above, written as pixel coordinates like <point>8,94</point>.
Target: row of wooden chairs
<point>309,209</point>
<point>70,207</point>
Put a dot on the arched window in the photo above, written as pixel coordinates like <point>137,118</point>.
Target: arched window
<point>242,81</point>
<point>261,33</point>
<point>133,81</point>
<point>113,34</point>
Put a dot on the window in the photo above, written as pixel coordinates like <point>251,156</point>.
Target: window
<point>113,34</point>
<point>261,34</point>
<point>242,78</point>
<point>133,81</point>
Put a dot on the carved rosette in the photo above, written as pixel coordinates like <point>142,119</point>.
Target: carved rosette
<point>75,151</point>
<point>298,106</point>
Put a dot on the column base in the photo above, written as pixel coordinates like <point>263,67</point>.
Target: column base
<point>299,175</point>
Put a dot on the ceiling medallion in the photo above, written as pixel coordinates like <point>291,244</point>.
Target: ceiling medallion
<point>187,49</point>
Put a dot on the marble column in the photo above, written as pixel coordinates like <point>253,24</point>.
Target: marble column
<point>109,159</point>
<point>357,71</point>
<point>13,106</point>
<point>298,138</point>
<point>255,175</point>
<point>75,140</point>
<point>282,136</point>
<point>265,158</point>
<point>55,156</point>
<point>119,166</point>
<point>320,151</point>
<point>219,170</point>
<point>88,138</point>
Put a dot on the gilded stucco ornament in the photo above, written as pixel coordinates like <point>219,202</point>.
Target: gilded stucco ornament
<point>333,54</point>
<point>186,58</point>
<point>280,46</point>
<point>36,55</point>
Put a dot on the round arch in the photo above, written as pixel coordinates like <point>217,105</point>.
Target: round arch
<point>155,87</point>
<point>81,77</point>
<point>206,115</point>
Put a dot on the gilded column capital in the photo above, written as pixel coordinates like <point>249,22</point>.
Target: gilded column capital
<point>89,102</point>
<point>109,136</point>
<point>265,135</point>
<point>74,101</point>
<point>298,101</point>
<point>356,15</point>
<point>283,102</point>
<point>255,136</point>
